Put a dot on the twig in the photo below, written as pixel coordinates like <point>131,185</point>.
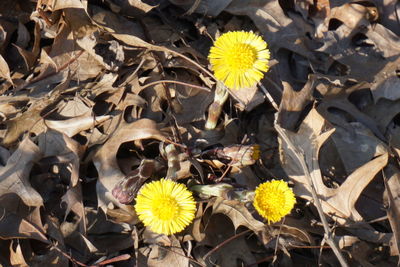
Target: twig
<point>122,257</point>
<point>176,82</point>
<point>190,61</point>
<point>301,158</point>
<point>182,255</point>
<point>68,256</point>
<point>268,258</point>
<point>224,243</point>
<point>268,95</point>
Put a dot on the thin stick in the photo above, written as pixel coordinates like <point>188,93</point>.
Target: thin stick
<point>189,60</point>
<point>180,254</point>
<point>268,95</point>
<point>224,243</point>
<point>301,158</point>
<point>176,82</point>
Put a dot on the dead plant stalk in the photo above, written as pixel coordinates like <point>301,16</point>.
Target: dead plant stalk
<point>301,158</point>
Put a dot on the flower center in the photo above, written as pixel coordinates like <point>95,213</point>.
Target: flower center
<point>165,208</point>
<point>273,203</point>
<point>241,56</point>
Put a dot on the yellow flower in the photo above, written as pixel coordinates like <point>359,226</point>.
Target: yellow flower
<point>274,200</point>
<point>239,58</point>
<point>165,206</point>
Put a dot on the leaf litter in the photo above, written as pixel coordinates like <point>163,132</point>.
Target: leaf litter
<point>100,97</point>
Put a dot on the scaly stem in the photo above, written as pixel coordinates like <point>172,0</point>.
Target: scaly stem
<point>215,109</point>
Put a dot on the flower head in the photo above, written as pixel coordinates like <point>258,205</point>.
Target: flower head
<point>165,206</point>
<point>238,59</point>
<point>274,200</point>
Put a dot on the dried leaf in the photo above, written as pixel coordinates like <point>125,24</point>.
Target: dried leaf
<point>129,32</point>
<point>63,4</point>
<point>5,70</point>
<point>240,216</point>
<point>341,201</point>
<point>13,226</point>
<point>218,230</point>
<point>293,104</point>
<point>105,158</point>
<point>74,200</point>
<point>73,126</point>
<point>348,193</point>
<point>16,256</point>
<point>356,140</point>
<point>391,201</point>
<point>59,148</point>
<point>211,8</point>
<point>14,176</point>
<point>157,255</point>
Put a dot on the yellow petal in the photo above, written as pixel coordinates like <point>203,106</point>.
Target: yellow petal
<point>165,206</point>
<point>238,59</point>
<point>273,200</point>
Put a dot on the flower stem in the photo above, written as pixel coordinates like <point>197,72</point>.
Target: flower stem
<point>215,109</point>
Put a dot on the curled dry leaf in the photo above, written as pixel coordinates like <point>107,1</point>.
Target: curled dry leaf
<point>352,15</point>
<point>14,176</point>
<point>59,148</point>
<point>5,70</point>
<point>105,158</point>
<point>75,125</point>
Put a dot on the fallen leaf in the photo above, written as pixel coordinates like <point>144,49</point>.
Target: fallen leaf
<point>218,230</point>
<point>14,176</point>
<point>389,10</point>
<point>348,193</point>
<point>339,202</point>
<point>129,32</point>
<point>74,200</point>
<point>105,158</point>
<point>59,148</point>
<point>5,70</point>
<point>211,8</point>
<point>16,256</point>
<point>13,226</point>
<point>293,103</point>
<point>75,125</point>
<point>391,199</point>
<point>240,216</point>
<point>157,255</point>
<point>356,140</point>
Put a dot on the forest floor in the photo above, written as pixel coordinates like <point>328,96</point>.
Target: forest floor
<point>99,98</point>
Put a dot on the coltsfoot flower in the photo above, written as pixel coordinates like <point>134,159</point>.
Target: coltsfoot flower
<point>273,200</point>
<point>239,59</point>
<point>165,206</point>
